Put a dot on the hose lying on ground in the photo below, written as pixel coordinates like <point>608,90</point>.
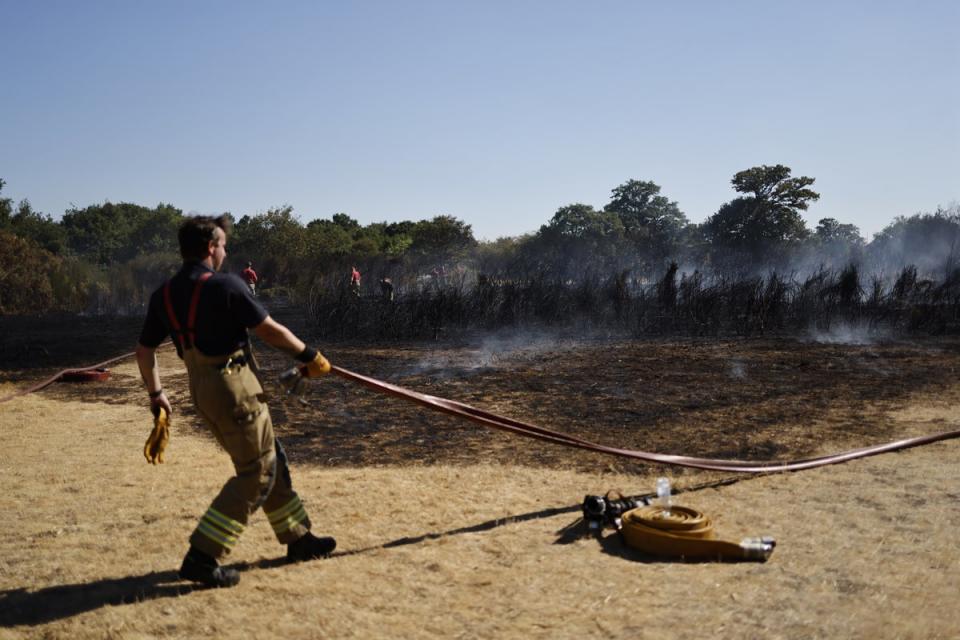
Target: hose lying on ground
<point>60,374</point>
<point>495,421</point>
<point>67,373</point>
<point>687,533</point>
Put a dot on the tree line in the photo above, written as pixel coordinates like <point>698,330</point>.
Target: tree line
<point>106,258</point>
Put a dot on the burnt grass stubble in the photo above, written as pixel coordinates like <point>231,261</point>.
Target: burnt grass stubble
<point>761,397</point>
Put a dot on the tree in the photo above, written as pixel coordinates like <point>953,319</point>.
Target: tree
<point>108,233</point>
<point>577,239</point>
<point>441,239</point>
<point>275,239</point>
<point>326,239</point>
<point>398,238</point>
<point>25,270</point>
<point>835,245</point>
<point>96,232</point>
<point>498,259</point>
<point>38,227</point>
<point>931,241</point>
<point>6,208</point>
<point>765,224</point>
<point>402,228</point>
<point>829,230</point>
<point>773,187</point>
<point>583,222</point>
<point>650,221</point>
<point>346,222</point>
<point>155,231</point>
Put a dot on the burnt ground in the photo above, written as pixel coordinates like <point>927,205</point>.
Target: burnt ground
<point>449,530</point>
<point>759,398</point>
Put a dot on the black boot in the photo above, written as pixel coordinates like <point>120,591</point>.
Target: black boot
<point>310,547</point>
<point>199,567</point>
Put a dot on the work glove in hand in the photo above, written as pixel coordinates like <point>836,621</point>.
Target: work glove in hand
<point>159,437</point>
<point>319,366</point>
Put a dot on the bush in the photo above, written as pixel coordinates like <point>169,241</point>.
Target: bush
<point>696,305</point>
<point>25,270</point>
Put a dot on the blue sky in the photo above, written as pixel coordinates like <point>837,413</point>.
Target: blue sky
<point>495,112</point>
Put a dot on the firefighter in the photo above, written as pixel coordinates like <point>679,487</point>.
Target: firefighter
<point>386,289</point>
<point>207,314</point>
<point>250,277</point>
<point>355,281</point>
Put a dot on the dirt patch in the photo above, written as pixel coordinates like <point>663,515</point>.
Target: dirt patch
<point>761,399</point>
<point>449,530</point>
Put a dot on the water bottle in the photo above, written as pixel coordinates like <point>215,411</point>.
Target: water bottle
<point>663,495</point>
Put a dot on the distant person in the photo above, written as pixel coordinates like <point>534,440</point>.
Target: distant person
<point>207,314</point>
<point>439,276</point>
<point>354,281</point>
<point>386,289</point>
<point>250,277</point>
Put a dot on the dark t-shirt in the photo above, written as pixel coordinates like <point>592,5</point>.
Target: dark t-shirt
<point>224,312</point>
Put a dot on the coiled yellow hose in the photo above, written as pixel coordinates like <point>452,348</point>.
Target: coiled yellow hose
<point>686,533</point>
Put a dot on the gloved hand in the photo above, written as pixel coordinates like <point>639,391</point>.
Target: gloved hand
<point>158,401</point>
<point>159,437</point>
<point>317,367</point>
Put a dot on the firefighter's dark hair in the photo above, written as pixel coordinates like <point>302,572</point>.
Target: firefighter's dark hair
<point>196,234</point>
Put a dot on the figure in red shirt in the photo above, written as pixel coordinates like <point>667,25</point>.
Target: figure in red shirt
<point>355,282</point>
<point>250,277</point>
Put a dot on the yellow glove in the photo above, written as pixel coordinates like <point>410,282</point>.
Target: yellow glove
<point>317,367</point>
<point>159,437</point>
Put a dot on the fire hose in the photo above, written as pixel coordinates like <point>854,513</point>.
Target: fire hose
<point>495,421</point>
<point>467,412</point>
<point>685,532</point>
<point>662,530</point>
<point>655,526</point>
<point>66,372</point>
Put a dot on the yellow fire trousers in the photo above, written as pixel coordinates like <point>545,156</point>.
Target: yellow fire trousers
<point>230,399</point>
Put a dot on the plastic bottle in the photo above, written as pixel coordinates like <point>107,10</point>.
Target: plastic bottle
<point>663,495</point>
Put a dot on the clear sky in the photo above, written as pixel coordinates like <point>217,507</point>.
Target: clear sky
<point>495,112</point>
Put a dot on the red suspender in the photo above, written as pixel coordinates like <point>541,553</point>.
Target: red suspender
<point>184,341</point>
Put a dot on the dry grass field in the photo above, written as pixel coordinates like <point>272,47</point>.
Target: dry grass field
<point>448,530</point>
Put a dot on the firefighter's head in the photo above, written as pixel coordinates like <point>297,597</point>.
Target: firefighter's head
<point>203,237</point>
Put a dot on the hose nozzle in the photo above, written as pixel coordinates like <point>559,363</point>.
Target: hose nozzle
<point>757,548</point>
<point>292,383</point>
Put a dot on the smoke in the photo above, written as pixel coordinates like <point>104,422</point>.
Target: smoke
<point>928,241</point>
<point>487,353</point>
<point>848,334</point>
<point>821,281</point>
<point>737,370</point>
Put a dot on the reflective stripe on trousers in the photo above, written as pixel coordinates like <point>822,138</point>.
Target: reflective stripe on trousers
<point>230,400</point>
